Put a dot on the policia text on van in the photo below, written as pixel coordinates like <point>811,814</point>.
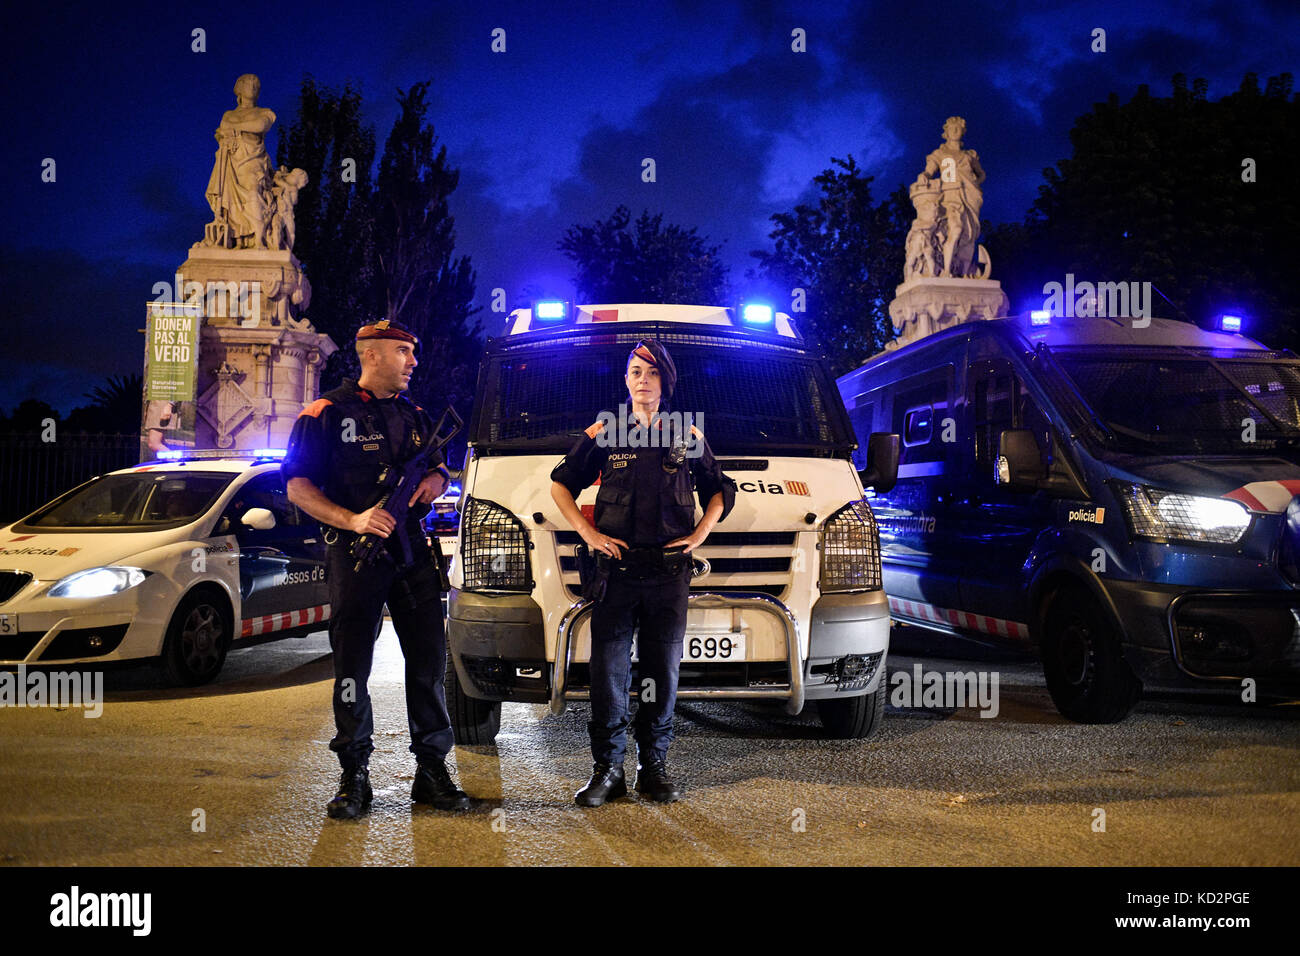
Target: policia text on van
<point>1120,497</point>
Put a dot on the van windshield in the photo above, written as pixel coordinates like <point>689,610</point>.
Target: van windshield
<point>754,397</point>
<point>1189,401</point>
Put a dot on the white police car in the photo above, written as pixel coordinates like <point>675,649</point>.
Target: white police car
<point>175,560</point>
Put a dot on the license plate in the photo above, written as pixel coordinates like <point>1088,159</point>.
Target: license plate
<point>710,647</point>
<point>8,624</point>
<point>714,648</point>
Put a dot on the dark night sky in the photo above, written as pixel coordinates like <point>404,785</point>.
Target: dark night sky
<point>550,133</point>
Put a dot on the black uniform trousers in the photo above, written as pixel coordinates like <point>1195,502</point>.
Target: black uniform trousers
<point>656,609</point>
<point>356,614</point>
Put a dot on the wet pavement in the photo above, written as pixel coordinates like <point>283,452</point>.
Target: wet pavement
<point>237,773</point>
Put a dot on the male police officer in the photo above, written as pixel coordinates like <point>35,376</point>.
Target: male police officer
<point>337,450</point>
<point>644,532</point>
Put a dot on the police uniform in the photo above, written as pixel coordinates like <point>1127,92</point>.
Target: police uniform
<point>646,498</point>
<point>340,443</point>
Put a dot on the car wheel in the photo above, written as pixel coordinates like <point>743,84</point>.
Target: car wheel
<point>474,722</point>
<point>854,718</point>
<point>1087,676</point>
<point>198,638</point>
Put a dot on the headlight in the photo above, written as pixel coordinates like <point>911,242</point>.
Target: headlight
<point>494,548</point>
<point>97,582</point>
<point>850,550</point>
<point>1171,516</point>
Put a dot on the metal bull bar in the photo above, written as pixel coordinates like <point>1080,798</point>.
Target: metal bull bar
<point>793,693</point>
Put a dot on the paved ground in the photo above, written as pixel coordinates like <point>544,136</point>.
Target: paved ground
<point>1181,782</point>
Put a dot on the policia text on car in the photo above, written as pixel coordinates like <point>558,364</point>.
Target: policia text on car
<point>644,532</point>
<point>339,447</point>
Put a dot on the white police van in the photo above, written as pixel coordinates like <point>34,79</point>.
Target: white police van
<point>786,603</point>
<point>175,559</point>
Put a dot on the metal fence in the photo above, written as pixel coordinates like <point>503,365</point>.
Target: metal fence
<point>34,471</point>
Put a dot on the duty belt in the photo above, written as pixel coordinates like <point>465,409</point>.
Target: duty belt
<point>650,562</point>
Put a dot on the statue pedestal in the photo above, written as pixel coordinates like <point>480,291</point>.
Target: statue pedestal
<point>252,384</point>
<point>260,359</point>
<point>924,306</point>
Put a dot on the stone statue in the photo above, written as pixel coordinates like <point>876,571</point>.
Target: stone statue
<point>924,237</point>
<point>285,189</point>
<point>252,206</point>
<point>958,175</point>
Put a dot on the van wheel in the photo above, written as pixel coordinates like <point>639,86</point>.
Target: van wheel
<point>853,718</point>
<point>474,722</point>
<point>1087,676</point>
<point>198,638</point>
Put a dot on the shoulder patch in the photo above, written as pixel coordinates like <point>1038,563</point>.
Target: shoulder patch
<point>596,429</point>
<point>316,407</point>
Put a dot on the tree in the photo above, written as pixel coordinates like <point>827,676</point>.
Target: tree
<point>1154,192</point>
<point>846,252</point>
<point>650,263</point>
<point>383,246</point>
<point>335,215</point>
<point>421,282</point>
<point>115,407</point>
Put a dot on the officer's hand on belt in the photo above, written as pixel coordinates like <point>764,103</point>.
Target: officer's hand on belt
<point>373,521</point>
<point>604,544</point>
<point>430,487</point>
<point>690,544</point>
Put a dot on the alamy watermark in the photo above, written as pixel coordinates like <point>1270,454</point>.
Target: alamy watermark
<point>681,430</point>
<point>241,300</point>
<point>1099,299</point>
<point>60,689</point>
<point>948,690</point>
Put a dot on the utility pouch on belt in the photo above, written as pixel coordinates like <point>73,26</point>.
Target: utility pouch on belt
<point>593,572</point>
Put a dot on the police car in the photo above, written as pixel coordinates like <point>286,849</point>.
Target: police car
<point>177,560</point>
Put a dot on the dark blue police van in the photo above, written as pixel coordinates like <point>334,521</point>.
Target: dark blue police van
<point>1116,494</point>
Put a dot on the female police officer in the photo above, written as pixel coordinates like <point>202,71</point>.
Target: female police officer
<point>644,531</point>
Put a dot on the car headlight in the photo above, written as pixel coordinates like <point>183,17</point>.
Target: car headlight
<point>494,549</point>
<point>97,582</point>
<point>1173,516</point>
<point>850,550</point>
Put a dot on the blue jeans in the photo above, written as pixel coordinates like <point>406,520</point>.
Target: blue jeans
<point>656,610</point>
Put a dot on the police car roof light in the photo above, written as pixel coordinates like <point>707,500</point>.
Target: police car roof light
<point>757,313</point>
<point>1040,317</point>
<point>550,310</point>
<point>1230,323</point>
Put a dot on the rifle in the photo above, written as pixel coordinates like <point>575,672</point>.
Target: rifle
<point>395,486</point>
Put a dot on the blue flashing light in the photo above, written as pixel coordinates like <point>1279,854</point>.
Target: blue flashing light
<point>170,455</point>
<point>1040,317</point>
<point>757,314</point>
<point>270,452</point>
<point>551,310</point>
<point>1230,323</point>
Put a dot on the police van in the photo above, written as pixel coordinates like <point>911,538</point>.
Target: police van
<point>786,602</point>
<point>177,559</point>
<point>1113,493</point>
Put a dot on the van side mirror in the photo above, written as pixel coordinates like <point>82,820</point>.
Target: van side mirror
<point>259,519</point>
<point>881,472</point>
<point>1020,460</point>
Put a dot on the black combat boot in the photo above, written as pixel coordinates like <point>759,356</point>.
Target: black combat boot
<point>652,780</point>
<point>353,798</point>
<point>606,783</point>
<point>433,785</point>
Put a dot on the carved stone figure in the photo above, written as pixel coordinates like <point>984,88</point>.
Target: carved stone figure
<point>285,190</point>
<point>924,237</point>
<point>239,189</point>
<point>959,177</point>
